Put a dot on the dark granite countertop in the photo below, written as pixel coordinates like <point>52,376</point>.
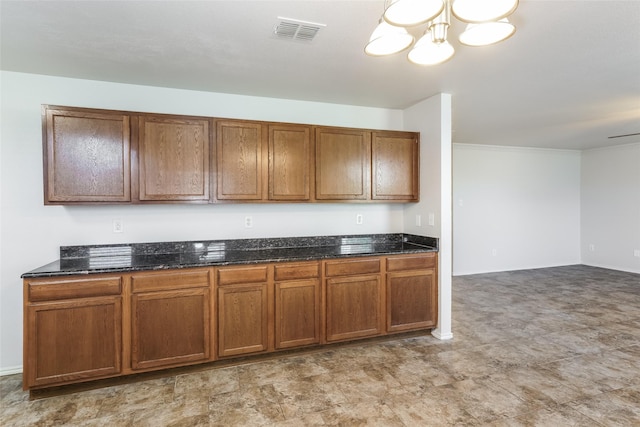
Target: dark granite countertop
<point>94,259</point>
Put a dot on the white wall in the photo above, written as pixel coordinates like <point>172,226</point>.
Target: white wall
<point>432,117</point>
<point>32,233</point>
<point>514,208</point>
<point>611,207</point>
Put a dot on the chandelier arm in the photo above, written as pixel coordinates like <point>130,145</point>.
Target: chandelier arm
<point>487,24</point>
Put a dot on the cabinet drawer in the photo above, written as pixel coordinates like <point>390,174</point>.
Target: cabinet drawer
<point>230,276</point>
<point>79,288</point>
<point>296,271</point>
<point>411,263</point>
<point>347,268</point>
<point>162,281</point>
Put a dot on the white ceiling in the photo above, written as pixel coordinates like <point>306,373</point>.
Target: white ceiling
<point>569,77</point>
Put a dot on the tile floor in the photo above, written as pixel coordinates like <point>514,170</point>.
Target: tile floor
<point>546,347</point>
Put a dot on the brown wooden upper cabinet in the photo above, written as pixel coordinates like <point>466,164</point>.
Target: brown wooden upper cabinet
<point>239,160</point>
<point>395,162</point>
<point>86,156</point>
<point>102,156</point>
<point>343,158</point>
<point>289,162</point>
<point>173,159</point>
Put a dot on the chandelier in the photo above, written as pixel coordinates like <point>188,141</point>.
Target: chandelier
<point>486,20</point>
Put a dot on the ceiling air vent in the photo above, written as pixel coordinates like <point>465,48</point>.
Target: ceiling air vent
<point>294,29</point>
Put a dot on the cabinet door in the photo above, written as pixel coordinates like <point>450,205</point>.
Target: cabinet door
<point>239,159</point>
<point>289,162</point>
<point>169,328</point>
<point>72,341</point>
<point>173,159</point>
<point>396,162</point>
<point>297,313</point>
<point>243,317</point>
<point>411,300</point>
<point>86,156</point>
<point>343,160</point>
<point>353,307</point>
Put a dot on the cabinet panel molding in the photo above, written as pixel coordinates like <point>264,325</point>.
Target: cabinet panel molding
<point>297,313</point>
<point>289,162</point>
<point>343,159</point>
<point>170,328</point>
<point>395,161</point>
<point>72,341</point>
<point>173,155</point>
<point>243,319</point>
<point>239,160</point>
<point>86,155</point>
<point>411,300</point>
<point>353,307</point>
<point>412,292</point>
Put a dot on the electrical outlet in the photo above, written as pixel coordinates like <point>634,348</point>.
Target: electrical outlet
<point>432,219</point>
<point>418,220</point>
<point>592,247</point>
<point>118,226</point>
<point>359,219</point>
<point>636,253</point>
<point>248,222</point>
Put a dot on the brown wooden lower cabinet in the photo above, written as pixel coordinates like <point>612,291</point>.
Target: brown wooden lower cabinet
<point>412,293</point>
<point>74,340</point>
<point>72,331</point>
<point>169,328</point>
<point>243,310</point>
<point>297,305</point>
<point>353,299</point>
<point>353,307</point>
<point>242,319</point>
<point>170,319</point>
<point>84,328</point>
<point>410,300</point>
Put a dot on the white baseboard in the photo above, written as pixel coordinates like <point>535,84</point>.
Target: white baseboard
<point>447,336</point>
<point>10,370</point>
<point>609,267</point>
<point>535,267</point>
